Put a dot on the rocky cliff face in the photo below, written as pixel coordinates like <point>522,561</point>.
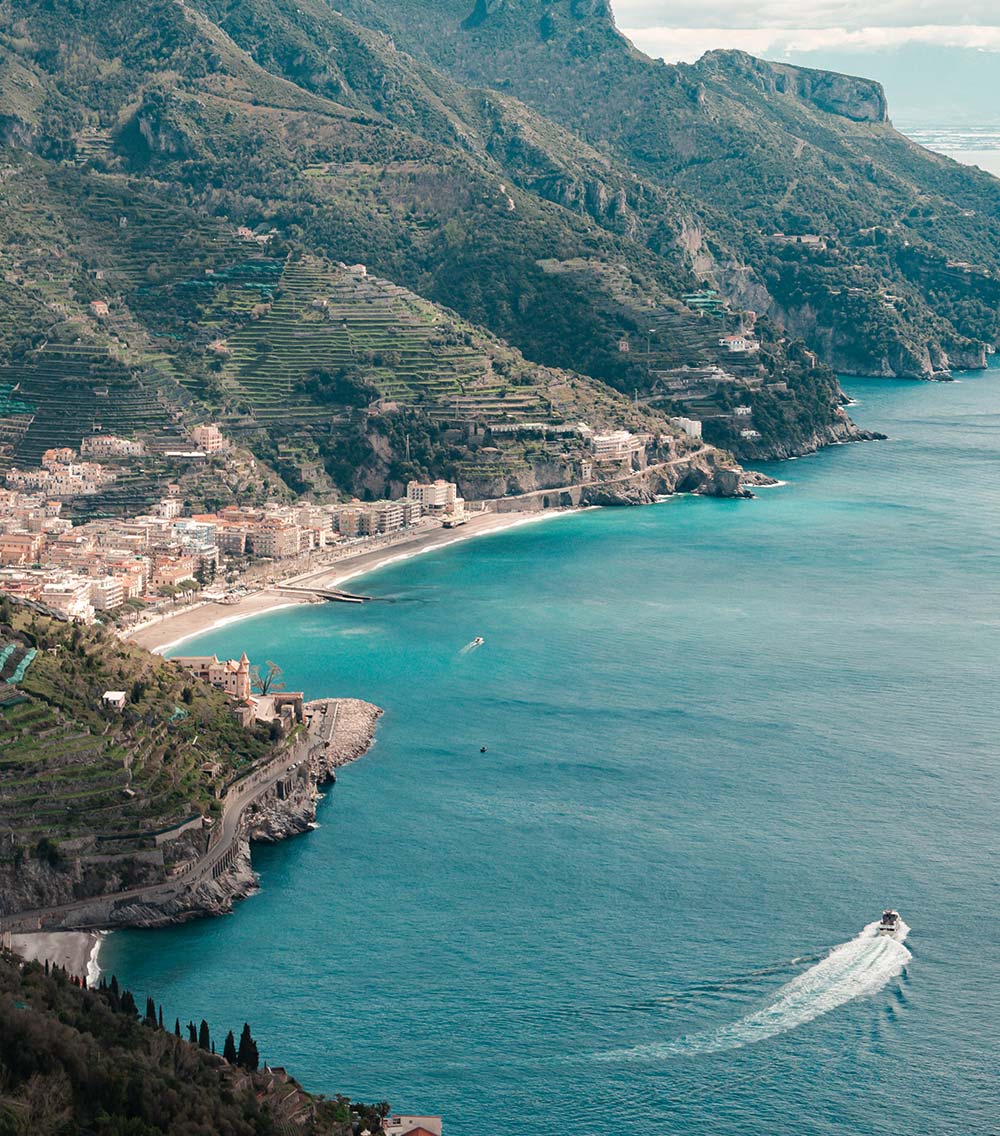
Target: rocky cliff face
<point>709,473</point>
<point>341,731</point>
<point>861,100</point>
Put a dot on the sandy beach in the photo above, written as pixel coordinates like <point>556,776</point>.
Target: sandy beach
<point>172,630</point>
<point>77,951</point>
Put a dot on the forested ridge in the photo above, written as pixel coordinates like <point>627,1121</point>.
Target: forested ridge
<point>86,1061</point>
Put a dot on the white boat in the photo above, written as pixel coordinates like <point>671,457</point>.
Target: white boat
<point>891,925</point>
<point>478,641</point>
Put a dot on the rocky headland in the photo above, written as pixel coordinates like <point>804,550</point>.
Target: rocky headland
<point>276,801</point>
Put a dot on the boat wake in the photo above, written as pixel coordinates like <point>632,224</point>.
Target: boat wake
<point>477,642</point>
<point>859,967</point>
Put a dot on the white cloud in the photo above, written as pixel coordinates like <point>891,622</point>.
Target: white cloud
<point>687,44</point>
<point>804,13</point>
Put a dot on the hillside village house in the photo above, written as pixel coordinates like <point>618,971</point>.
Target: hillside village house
<point>208,438</point>
<point>739,344</point>
<point>400,1125</point>
<point>108,446</point>
<point>62,475</point>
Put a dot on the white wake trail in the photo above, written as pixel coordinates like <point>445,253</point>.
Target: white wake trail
<point>859,967</point>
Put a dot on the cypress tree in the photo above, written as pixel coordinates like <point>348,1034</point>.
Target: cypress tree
<point>247,1056</point>
<point>229,1049</point>
<point>203,1036</point>
<point>177,1026</point>
<point>46,968</point>
<point>114,985</point>
<point>159,1018</point>
<point>192,1033</point>
<point>128,1005</point>
<point>150,1019</point>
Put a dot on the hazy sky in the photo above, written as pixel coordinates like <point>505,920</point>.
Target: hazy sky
<point>675,31</point>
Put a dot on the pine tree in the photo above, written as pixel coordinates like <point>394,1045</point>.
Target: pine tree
<point>150,1019</point>
<point>203,1036</point>
<point>247,1056</point>
<point>192,1033</point>
<point>229,1049</point>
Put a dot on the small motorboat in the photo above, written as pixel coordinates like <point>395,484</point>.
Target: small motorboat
<point>891,925</point>
<point>478,641</point>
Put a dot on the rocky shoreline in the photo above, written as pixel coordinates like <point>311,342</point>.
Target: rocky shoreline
<point>335,733</point>
<point>339,731</point>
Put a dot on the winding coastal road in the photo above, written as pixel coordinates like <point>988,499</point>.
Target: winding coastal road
<point>222,841</point>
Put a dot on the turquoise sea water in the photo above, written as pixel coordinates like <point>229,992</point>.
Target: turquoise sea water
<point>721,737</point>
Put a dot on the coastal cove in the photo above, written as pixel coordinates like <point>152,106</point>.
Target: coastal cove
<point>721,735</point>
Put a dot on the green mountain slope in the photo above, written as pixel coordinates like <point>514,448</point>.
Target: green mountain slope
<point>905,280</point>
<point>151,135</point>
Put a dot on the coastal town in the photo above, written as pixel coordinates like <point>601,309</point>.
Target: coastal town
<point>119,569</point>
<point>127,570</point>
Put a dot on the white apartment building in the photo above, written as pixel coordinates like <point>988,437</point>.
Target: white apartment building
<point>433,497</point>
<point>690,426</point>
<point>107,593</point>
<point>71,597</point>
<point>388,516</point>
<point>617,446</point>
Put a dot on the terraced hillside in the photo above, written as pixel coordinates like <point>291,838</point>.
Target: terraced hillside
<point>174,180</point>
<point>80,781</point>
<point>407,350</point>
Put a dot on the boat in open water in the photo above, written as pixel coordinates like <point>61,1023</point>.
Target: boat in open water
<point>891,925</point>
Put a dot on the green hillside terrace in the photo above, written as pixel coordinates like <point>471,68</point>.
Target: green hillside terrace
<point>404,349</point>
<point>75,773</point>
